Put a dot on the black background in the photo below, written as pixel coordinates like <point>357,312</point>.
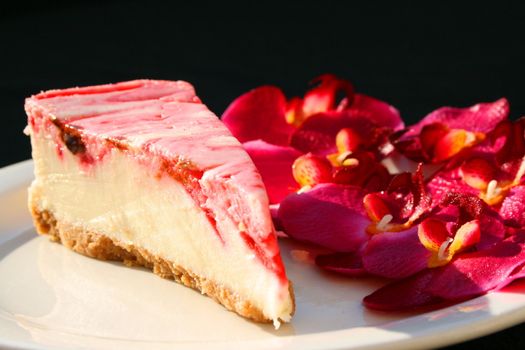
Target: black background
<point>417,57</point>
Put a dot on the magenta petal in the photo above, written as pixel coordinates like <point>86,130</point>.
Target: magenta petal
<point>482,117</point>
<point>395,254</point>
<point>403,294</point>
<point>259,114</point>
<point>274,212</point>
<point>492,229</point>
<point>317,133</point>
<point>348,264</point>
<point>381,113</point>
<point>366,116</point>
<point>445,182</point>
<point>477,273</point>
<point>513,207</point>
<point>275,165</point>
<point>518,273</point>
<point>329,215</point>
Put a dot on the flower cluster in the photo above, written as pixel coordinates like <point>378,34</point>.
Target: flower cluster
<point>438,207</point>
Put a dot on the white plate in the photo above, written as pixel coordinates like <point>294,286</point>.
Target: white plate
<point>51,297</point>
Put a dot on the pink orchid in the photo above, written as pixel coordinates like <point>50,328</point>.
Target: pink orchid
<point>259,115</point>
<point>310,125</point>
<point>447,131</point>
<point>489,170</point>
<point>467,276</point>
<point>454,235</point>
<point>371,119</point>
<point>397,209</point>
<point>329,215</point>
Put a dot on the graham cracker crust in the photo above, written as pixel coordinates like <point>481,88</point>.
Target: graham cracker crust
<point>101,247</point>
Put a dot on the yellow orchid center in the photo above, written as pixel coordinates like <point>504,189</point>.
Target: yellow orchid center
<point>434,236</point>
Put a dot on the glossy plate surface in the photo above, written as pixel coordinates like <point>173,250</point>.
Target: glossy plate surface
<point>53,298</point>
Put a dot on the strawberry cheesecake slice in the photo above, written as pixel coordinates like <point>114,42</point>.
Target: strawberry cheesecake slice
<point>143,172</point>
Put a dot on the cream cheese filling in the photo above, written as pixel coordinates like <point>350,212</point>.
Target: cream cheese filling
<point>122,198</point>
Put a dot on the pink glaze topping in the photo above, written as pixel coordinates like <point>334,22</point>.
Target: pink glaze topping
<point>165,123</point>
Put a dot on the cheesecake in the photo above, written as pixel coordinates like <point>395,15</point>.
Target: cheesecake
<point>143,172</point>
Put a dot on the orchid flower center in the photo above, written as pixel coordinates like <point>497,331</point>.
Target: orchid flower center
<point>440,142</point>
<point>341,157</point>
<point>476,173</point>
<point>347,142</point>
<point>321,98</point>
<point>350,162</point>
<point>385,220</point>
<point>495,192</point>
<point>443,248</point>
<point>434,236</point>
<point>519,173</point>
<point>492,190</point>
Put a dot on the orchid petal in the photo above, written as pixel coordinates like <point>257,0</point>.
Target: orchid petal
<point>432,233</point>
<point>319,99</point>
<point>317,134</point>
<point>275,165</point>
<point>467,276</point>
<point>430,133</point>
<point>259,114</point>
<point>509,140</point>
<point>405,201</point>
<point>454,142</point>
<point>466,236</point>
<point>294,113</point>
<point>386,213</point>
<point>445,132</point>
<point>322,97</point>
<point>467,208</point>
<point>482,117</point>
<point>363,170</point>
<point>405,294</point>
<point>329,215</point>
<point>274,213</point>
<point>492,229</point>
<point>477,172</point>
<point>370,118</point>
<point>348,264</point>
<point>395,254</point>
<point>381,113</point>
<point>476,273</point>
<point>376,206</point>
<point>513,207</point>
<point>416,200</point>
<point>422,200</point>
<point>348,140</point>
<point>445,182</point>
<point>443,244</point>
<point>470,207</point>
